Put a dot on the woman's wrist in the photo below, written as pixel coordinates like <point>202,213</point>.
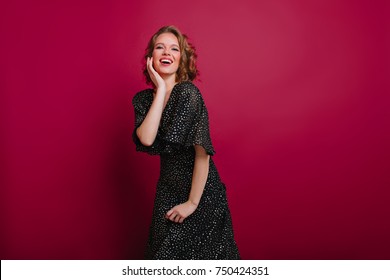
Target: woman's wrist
<point>161,90</point>
<point>193,203</point>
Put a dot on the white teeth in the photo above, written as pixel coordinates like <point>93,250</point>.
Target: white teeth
<point>166,61</point>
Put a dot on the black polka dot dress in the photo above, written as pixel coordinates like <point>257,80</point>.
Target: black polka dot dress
<point>207,233</point>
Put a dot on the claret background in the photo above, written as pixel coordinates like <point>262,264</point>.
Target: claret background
<point>298,95</point>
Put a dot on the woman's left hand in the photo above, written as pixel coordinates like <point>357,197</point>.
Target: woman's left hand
<point>178,213</point>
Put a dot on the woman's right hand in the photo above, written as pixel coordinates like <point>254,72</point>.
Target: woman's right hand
<point>154,76</point>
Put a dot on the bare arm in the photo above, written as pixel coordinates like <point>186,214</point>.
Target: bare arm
<point>199,178</point>
<point>147,131</point>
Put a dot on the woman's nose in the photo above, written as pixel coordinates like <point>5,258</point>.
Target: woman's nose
<point>166,52</point>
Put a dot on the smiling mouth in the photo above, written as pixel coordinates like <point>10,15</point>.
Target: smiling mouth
<point>166,61</point>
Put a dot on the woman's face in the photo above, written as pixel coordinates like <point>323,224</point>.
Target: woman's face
<point>166,54</point>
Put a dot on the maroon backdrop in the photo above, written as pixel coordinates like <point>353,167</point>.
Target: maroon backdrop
<point>298,98</point>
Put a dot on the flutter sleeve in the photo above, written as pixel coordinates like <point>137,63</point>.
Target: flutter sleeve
<point>141,108</point>
<point>185,123</point>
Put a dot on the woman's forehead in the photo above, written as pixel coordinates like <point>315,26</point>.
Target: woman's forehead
<point>167,38</point>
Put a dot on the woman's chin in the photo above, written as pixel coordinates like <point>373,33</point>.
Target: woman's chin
<point>165,73</point>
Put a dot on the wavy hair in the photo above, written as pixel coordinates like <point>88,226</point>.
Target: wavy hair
<point>187,70</point>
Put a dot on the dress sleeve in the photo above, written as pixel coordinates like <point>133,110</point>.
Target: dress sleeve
<point>141,109</point>
<point>186,121</point>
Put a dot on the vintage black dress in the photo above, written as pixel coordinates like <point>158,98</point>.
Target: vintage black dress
<point>207,233</point>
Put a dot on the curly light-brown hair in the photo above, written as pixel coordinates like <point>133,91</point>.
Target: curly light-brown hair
<point>187,70</point>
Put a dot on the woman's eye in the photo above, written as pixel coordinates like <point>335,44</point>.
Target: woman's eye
<point>175,49</point>
<point>159,47</point>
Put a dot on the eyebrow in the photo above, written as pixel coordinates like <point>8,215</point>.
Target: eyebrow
<point>173,45</point>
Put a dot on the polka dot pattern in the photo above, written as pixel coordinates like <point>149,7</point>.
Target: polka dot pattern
<point>208,232</point>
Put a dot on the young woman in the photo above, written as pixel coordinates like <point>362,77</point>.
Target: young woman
<point>191,218</point>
